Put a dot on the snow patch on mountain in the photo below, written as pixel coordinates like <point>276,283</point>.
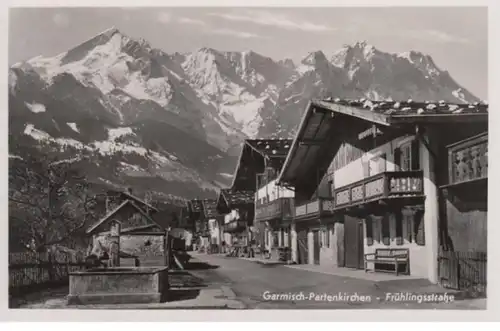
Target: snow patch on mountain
<point>73,127</point>
<point>128,166</point>
<point>36,134</point>
<point>459,94</point>
<point>35,107</point>
<point>115,133</point>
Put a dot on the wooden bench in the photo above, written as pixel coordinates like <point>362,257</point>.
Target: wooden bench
<point>391,256</point>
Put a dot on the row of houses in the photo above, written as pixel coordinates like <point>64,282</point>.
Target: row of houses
<point>364,183</point>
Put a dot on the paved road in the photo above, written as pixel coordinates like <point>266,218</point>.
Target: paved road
<point>254,285</point>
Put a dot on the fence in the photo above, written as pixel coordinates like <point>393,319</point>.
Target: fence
<point>463,270</point>
<point>30,270</point>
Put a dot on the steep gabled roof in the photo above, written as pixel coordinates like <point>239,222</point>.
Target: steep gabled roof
<point>255,155</point>
<point>228,199</point>
<point>140,202</point>
<point>113,212</point>
<point>271,147</point>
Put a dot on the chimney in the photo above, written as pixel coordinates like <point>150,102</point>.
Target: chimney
<point>129,190</point>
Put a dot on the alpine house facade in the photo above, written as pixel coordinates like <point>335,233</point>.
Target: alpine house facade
<point>370,178</point>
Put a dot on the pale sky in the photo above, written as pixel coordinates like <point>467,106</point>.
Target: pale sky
<point>456,38</point>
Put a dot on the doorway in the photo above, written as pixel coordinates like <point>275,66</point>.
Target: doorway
<point>353,242</point>
<point>302,247</point>
<point>316,246</point>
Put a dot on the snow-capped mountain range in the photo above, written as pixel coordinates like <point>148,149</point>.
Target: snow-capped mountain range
<point>181,118</point>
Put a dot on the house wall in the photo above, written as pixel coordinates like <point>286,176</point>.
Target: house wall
<point>328,250</point>
<point>273,192</point>
<point>213,227</point>
<point>354,171</point>
<point>347,167</point>
<point>419,265</point>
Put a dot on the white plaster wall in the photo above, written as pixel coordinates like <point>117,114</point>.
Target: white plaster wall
<point>431,215</point>
<point>310,247</point>
<point>419,255</point>
<point>328,254</point>
<point>293,233</point>
<point>419,265</point>
<point>214,231</point>
<point>353,171</point>
<point>274,192</point>
<point>233,215</point>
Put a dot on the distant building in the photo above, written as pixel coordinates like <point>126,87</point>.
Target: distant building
<point>230,204</point>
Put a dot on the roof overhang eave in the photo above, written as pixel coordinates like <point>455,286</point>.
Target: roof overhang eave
<point>281,179</point>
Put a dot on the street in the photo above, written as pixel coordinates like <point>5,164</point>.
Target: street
<point>260,286</point>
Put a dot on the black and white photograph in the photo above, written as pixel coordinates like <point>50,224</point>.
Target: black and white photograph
<point>247,158</point>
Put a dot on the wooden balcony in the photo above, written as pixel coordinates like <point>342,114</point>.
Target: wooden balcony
<point>281,208</point>
<point>386,185</point>
<point>317,208</point>
<point>468,160</point>
<point>235,226</point>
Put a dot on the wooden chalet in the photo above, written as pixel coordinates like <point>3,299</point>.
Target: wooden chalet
<point>377,182</point>
<point>207,221</point>
<point>274,205</point>
<point>196,216</point>
<point>232,205</point>
<point>214,221</point>
<point>258,159</point>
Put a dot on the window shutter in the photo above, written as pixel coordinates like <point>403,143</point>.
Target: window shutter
<point>366,168</point>
<point>419,229</point>
<point>415,155</point>
<point>369,232</point>
<point>376,229</point>
<point>409,227</point>
<point>386,235</point>
<point>399,227</point>
<point>323,188</point>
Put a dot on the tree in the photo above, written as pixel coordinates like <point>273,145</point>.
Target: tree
<point>50,202</point>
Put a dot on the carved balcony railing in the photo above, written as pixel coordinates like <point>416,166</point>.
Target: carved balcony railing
<point>281,208</point>
<point>468,160</point>
<point>384,185</point>
<point>235,226</point>
<point>319,207</point>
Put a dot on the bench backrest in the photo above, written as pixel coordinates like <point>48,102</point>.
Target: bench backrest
<point>388,252</point>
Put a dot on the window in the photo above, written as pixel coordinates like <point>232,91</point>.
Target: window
<point>331,186</point>
<point>419,228</point>
<point>407,156</point>
<point>408,225</point>
<point>376,229</point>
<point>369,231</point>
<point>386,230</point>
<point>399,227</point>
